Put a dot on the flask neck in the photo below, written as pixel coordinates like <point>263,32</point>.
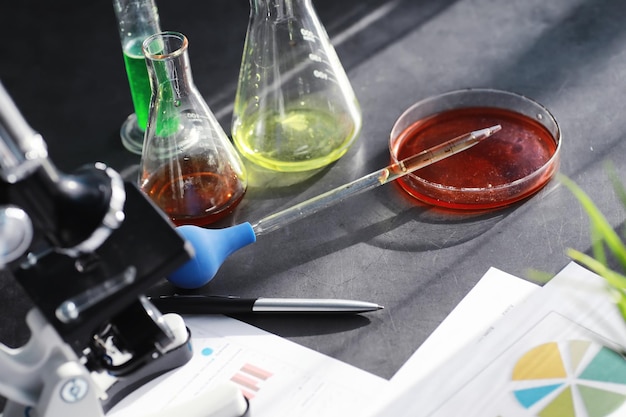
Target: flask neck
<point>168,64</point>
<point>278,9</point>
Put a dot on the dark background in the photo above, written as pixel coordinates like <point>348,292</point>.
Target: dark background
<point>62,63</point>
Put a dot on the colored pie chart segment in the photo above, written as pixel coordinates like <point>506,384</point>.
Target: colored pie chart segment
<point>562,379</point>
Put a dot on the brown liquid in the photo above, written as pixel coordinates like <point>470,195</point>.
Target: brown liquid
<point>476,178</point>
<point>190,191</point>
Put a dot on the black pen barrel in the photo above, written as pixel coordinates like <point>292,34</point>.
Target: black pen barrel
<point>203,305</point>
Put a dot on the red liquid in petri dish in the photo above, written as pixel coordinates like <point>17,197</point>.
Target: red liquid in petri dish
<point>507,167</point>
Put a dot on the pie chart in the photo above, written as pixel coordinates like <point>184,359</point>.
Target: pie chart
<point>575,378</point>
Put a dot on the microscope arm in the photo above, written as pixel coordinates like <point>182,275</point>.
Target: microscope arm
<point>45,375</point>
<point>44,378</point>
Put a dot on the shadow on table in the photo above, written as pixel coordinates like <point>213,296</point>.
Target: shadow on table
<point>393,225</point>
<point>570,50</point>
<point>359,29</point>
<point>294,325</point>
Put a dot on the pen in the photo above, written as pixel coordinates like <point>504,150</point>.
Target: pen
<point>211,304</point>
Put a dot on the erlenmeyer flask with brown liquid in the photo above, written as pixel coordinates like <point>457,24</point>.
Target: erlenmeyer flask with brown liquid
<point>189,168</point>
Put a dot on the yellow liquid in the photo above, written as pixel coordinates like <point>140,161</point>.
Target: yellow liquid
<point>296,140</point>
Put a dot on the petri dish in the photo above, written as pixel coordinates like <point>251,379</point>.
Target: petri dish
<point>511,165</point>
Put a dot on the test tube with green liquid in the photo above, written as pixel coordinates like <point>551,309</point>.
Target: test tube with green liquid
<point>137,19</point>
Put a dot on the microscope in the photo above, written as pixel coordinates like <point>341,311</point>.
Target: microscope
<point>85,247</point>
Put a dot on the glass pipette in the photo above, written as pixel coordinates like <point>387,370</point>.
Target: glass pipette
<point>213,246</point>
<point>373,180</point>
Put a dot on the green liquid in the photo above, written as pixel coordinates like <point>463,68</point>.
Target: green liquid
<point>298,139</point>
<point>138,81</point>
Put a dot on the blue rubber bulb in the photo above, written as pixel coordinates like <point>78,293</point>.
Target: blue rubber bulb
<point>211,247</point>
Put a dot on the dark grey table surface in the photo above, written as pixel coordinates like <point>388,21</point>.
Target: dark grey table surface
<point>61,61</point>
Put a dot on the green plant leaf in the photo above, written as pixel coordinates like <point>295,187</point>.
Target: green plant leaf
<point>597,244</point>
<point>601,228</point>
<point>538,276</point>
<point>620,191</point>
<point>620,300</point>
<point>613,278</point>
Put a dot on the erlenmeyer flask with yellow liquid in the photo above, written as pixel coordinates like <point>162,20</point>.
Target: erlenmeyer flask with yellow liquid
<point>295,109</point>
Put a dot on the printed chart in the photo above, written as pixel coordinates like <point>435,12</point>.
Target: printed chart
<point>568,372</point>
<point>574,378</point>
<point>250,378</point>
<point>234,364</point>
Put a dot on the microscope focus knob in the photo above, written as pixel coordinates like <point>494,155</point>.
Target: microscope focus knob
<point>16,233</point>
